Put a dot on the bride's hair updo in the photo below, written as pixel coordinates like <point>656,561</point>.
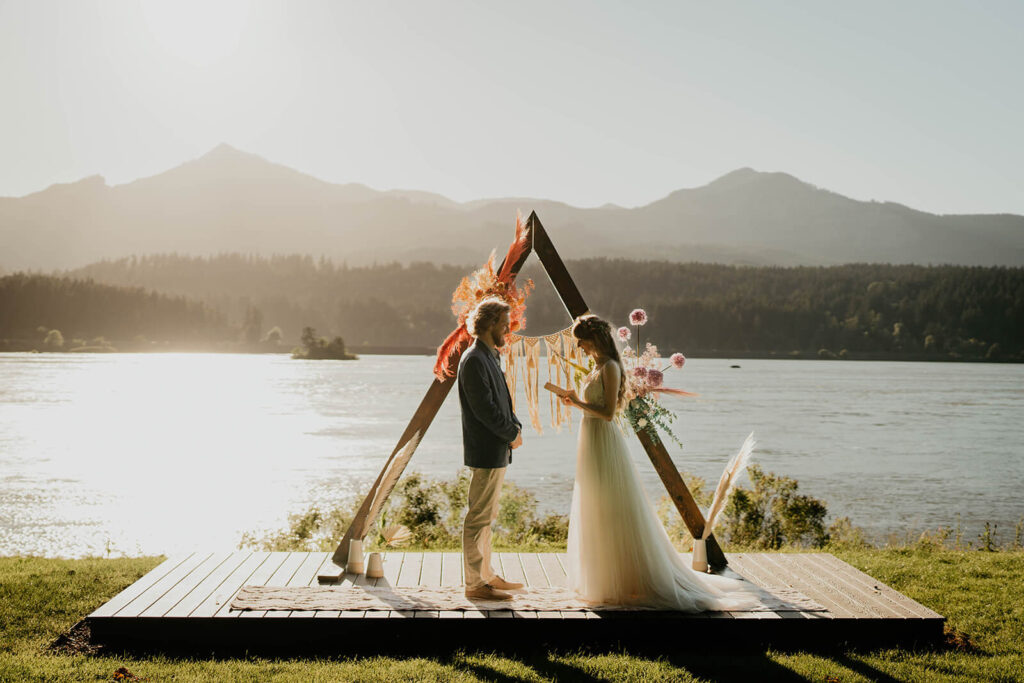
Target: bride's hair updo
<point>599,332</point>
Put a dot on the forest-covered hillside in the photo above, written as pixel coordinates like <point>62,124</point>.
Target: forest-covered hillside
<point>867,309</point>
<point>61,313</point>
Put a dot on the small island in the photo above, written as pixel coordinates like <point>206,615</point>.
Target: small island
<point>318,348</point>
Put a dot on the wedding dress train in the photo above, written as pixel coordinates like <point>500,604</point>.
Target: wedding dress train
<point>619,552</point>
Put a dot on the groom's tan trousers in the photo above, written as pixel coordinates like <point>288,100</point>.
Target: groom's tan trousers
<point>484,493</point>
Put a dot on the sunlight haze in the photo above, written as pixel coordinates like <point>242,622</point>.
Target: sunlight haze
<point>585,103</point>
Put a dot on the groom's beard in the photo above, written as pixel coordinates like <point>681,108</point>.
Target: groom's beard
<point>498,340</point>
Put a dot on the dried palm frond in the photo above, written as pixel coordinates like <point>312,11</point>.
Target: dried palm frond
<point>396,535</point>
<point>674,392</point>
<point>569,363</point>
<point>727,482</point>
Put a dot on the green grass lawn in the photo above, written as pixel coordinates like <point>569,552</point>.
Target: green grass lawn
<point>980,594</point>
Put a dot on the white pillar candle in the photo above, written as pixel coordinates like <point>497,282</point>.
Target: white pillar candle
<point>355,557</point>
<point>374,566</point>
<point>700,555</point>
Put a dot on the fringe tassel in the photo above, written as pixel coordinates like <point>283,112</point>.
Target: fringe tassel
<point>512,351</point>
<point>531,370</point>
<point>552,344</point>
<point>569,352</point>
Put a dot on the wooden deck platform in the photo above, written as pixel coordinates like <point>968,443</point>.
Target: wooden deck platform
<point>184,602</point>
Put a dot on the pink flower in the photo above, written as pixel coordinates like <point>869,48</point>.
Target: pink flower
<point>640,372</point>
<point>638,317</point>
<point>624,334</point>
<point>678,360</point>
<point>655,378</point>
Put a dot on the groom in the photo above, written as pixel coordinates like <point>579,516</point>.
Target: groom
<point>490,431</point>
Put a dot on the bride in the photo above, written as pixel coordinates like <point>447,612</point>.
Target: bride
<point>619,552</point>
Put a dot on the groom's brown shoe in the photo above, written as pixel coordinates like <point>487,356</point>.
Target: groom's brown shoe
<point>487,592</point>
<point>502,584</point>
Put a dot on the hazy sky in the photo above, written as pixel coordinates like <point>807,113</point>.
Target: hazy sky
<point>916,102</point>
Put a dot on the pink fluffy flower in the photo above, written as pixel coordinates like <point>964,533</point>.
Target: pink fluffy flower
<point>655,378</point>
<point>624,334</point>
<point>678,360</point>
<point>638,317</point>
<point>640,373</point>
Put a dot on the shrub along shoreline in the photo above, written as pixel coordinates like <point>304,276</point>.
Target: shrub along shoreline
<point>768,515</point>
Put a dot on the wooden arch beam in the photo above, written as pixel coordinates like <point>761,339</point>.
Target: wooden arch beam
<point>438,391</point>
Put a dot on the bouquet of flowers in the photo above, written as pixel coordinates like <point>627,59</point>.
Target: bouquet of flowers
<point>645,382</point>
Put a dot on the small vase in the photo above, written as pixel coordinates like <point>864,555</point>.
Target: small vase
<point>374,566</point>
<point>355,557</point>
<point>700,555</point>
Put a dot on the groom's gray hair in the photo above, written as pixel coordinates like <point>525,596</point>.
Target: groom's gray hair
<point>485,315</point>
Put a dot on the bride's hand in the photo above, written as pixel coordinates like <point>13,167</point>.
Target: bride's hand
<point>570,399</point>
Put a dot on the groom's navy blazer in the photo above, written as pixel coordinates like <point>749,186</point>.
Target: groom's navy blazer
<point>488,424</point>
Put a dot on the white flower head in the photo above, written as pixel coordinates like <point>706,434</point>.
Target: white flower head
<point>642,422</point>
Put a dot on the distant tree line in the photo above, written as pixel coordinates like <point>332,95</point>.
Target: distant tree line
<point>62,313</point>
<point>889,310</point>
<point>951,311</point>
<point>387,304</point>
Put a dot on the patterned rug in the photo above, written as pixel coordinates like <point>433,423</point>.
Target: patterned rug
<point>452,598</point>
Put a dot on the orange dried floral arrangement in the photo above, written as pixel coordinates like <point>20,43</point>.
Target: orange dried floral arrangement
<point>484,284</point>
<point>480,285</point>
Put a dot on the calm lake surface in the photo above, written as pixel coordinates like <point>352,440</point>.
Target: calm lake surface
<point>132,453</point>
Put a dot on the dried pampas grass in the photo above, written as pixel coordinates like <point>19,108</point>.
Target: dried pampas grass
<point>396,535</point>
<point>727,482</point>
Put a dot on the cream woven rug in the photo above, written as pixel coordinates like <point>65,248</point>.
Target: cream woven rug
<point>439,598</point>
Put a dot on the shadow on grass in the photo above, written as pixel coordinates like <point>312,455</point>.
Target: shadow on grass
<point>556,670</point>
<point>79,640</point>
<point>863,668</point>
<point>555,663</point>
<point>659,650</point>
<point>723,667</point>
<point>723,662</point>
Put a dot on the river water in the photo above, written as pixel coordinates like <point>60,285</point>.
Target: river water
<point>159,453</point>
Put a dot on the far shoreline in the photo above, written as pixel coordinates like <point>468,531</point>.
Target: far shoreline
<point>426,351</point>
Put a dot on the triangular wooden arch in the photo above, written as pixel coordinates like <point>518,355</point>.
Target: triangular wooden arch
<point>538,241</point>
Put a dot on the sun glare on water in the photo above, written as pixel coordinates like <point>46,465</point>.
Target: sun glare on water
<point>164,449</point>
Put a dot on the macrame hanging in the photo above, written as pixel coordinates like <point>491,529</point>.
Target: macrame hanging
<point>522,354</point>
<point>531,369</point>
<point>565,359</point>
<point>553,345</point>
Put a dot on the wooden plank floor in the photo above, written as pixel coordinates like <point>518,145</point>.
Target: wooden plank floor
<point>186,600</point>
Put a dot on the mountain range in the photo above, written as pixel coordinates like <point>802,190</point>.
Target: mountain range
<point>232,201</point>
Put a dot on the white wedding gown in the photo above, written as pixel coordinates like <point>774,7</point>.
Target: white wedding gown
<point>619,552</point>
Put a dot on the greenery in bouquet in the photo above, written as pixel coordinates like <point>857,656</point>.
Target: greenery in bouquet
<point>645,382</point>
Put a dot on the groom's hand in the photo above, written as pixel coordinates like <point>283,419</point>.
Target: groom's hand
<point>518,441</point>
